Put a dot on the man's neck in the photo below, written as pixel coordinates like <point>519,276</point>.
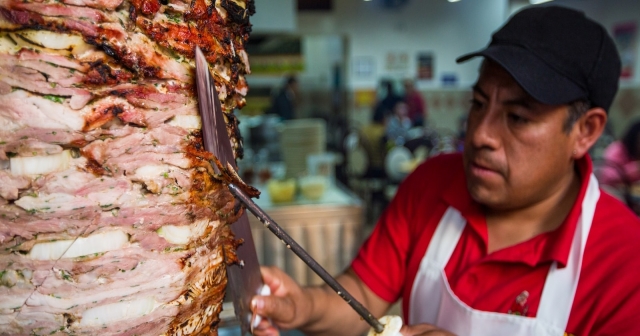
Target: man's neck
<point>508,228</point>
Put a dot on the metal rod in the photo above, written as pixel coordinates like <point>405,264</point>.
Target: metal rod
<point>300,252</point>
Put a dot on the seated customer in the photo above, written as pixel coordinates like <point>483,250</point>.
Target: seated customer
<point>398,124</point>
<point>622,159</point>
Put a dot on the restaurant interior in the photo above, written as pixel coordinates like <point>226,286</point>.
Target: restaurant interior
<point>326,167</point>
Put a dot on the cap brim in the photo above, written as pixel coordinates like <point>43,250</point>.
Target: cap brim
<point>537,78</point>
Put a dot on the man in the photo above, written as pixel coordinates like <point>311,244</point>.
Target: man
<point>384,107</point>
<point>284,103</point>
<point>512,237</point>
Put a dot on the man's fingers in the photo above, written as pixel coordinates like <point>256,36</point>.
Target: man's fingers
<point>265,328</point>
<point>418,329</point>
<point>279,309</point>
<point>272,277</point>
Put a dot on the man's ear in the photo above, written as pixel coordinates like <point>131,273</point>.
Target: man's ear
<point>587,130</point>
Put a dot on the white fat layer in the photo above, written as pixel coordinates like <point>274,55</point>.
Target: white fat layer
<point>118,311</point>
<point>152,171</point>
<point>182,235</point>
<point>7,46</point>
<point>38,165</point>
<point>186,121</point>
<point>83,246</point>
<point>53,40</point>
<point>153,176</point>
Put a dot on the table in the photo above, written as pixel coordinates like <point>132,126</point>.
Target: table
<point>330,229</point>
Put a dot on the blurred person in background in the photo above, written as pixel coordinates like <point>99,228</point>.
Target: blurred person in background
<point>384,107</point>
<point>398,124</point>
<point>284,102</point>
<point>417,108</point>
<point>622,159</point>
<point>513,236</point>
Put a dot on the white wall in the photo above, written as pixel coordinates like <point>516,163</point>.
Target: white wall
<point>321,53</point>
<point>447,29</point>
<point>274,16</point>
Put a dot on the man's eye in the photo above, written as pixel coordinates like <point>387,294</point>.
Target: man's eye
<point>476,104</point>
<point>517,119</point>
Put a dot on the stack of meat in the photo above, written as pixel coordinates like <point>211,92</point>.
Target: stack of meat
<point>111,220</point>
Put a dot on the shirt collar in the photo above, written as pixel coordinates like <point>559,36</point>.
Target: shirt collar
<point>546,247</point>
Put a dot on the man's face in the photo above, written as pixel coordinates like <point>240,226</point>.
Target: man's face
<point>516,152</point>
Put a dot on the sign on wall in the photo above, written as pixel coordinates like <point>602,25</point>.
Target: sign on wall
<point>425,66</point>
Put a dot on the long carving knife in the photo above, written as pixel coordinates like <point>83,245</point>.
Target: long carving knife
<point>376,325</point>
<point>245,279</point>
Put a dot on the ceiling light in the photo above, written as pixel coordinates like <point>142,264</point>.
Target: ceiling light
<point>453,0</point>
<point>535,2</point>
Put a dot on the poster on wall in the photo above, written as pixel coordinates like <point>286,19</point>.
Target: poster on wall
<point>397,61</point>
<point>425,66</point>
<point>363,66</point>
<point>625,36</point>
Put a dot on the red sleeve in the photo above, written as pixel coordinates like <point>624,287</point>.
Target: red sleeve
<point>381,261</point>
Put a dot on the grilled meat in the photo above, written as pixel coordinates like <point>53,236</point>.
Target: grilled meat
<point>112,221</point>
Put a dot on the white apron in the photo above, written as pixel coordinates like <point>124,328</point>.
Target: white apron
<point>433,301</point>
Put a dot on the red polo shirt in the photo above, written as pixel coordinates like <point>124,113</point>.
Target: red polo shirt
<point>607,300</point>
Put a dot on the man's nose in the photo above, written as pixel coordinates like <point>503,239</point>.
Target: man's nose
<point>486,129</point>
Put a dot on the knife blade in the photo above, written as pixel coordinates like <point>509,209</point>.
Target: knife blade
<point>244,279</point>
<point>305,257</point>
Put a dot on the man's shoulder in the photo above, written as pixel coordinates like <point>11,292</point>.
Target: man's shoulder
<point>613,214</point>
<point>449,164</point>
<point>436,175</point>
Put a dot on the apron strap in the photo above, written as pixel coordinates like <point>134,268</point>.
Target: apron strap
<point>561,284</point>
<point>445,239</point>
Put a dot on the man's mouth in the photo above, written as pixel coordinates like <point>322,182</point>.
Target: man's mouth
<point>483,170</point>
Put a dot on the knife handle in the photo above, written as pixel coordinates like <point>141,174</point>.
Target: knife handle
<point>264,291</point>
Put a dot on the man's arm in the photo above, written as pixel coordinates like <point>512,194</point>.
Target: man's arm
<point>314,310</point>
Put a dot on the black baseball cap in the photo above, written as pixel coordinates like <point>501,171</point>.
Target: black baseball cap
<point>557,55</point>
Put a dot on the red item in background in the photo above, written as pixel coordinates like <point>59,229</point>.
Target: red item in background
<point>417,106</point>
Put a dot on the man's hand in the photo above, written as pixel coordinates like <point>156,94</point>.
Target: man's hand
<point>315,310</point>
<point>287,307</point>
<point>424,330</point>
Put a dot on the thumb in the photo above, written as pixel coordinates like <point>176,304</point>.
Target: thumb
<point>278,309</point>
